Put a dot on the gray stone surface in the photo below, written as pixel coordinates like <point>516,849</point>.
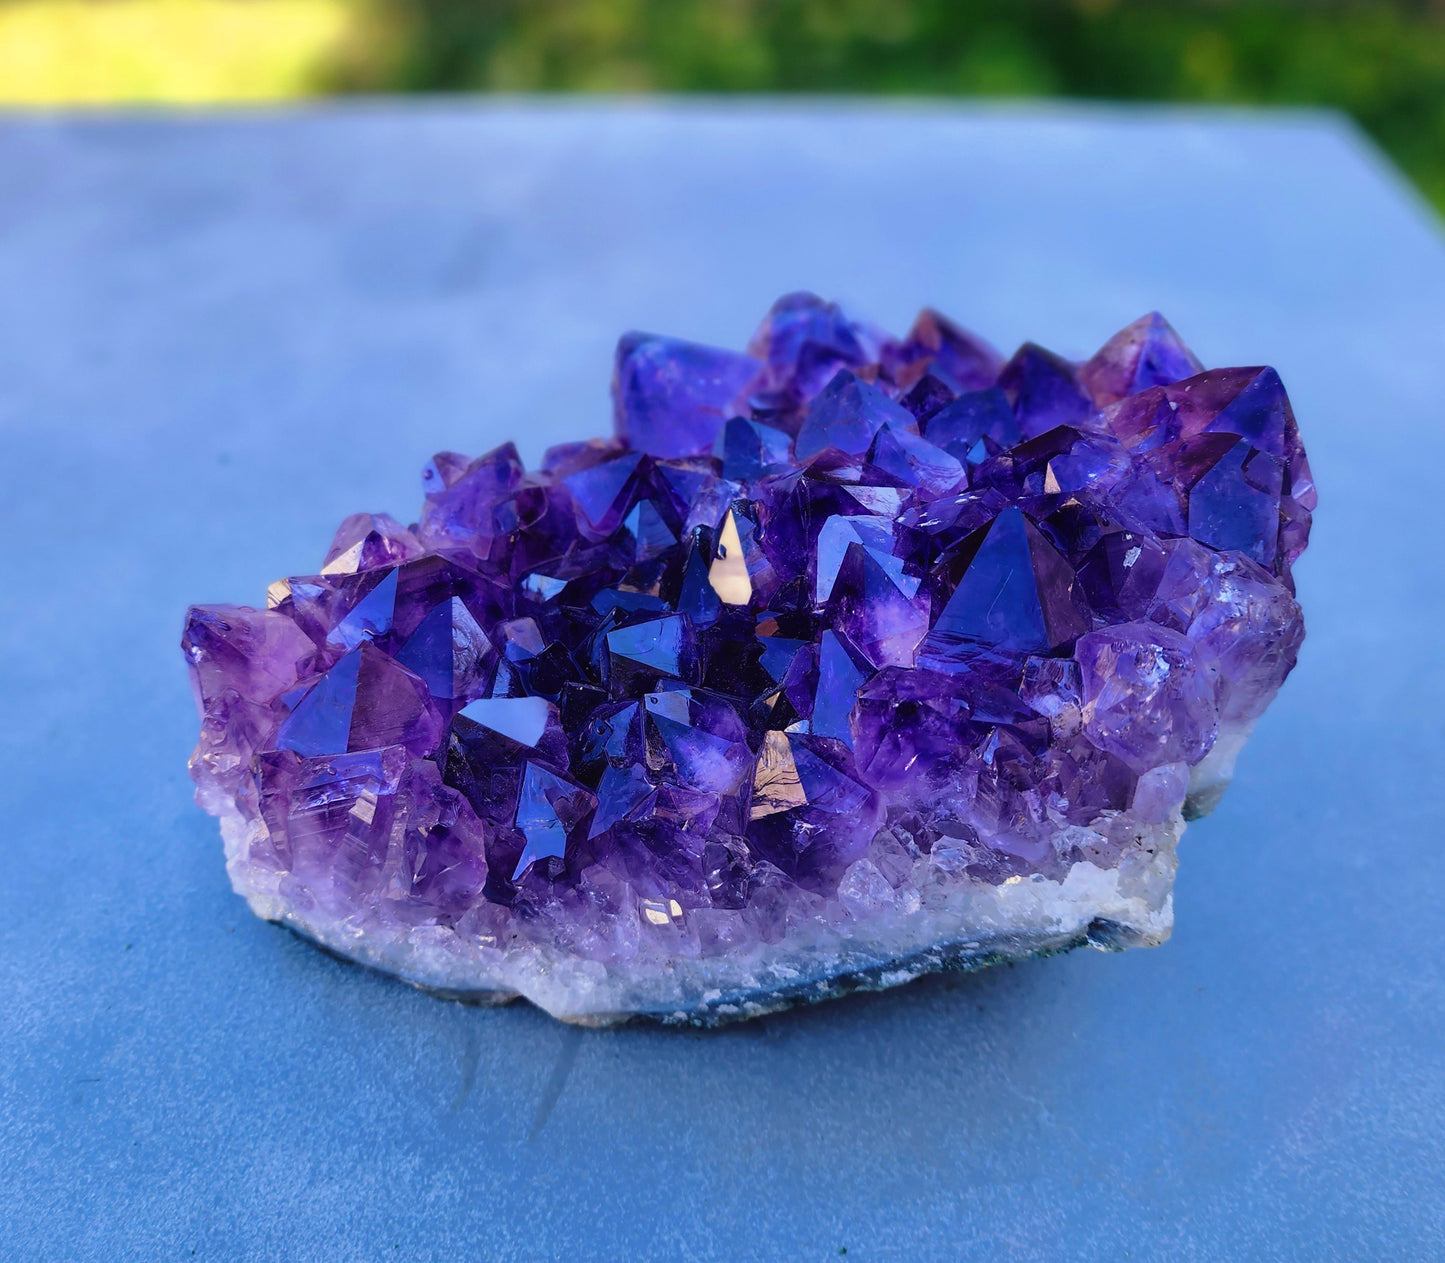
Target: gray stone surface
<point>185,304</point>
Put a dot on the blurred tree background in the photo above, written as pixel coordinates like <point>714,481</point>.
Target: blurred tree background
<point>1381,60</point>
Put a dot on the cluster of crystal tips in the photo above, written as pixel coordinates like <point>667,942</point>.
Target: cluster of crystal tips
<point>823,616</point>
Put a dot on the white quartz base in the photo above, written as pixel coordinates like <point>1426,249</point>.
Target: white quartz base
<point>943,921</point>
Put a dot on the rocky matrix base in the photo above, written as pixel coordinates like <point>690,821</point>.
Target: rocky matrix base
<point>847,658</point>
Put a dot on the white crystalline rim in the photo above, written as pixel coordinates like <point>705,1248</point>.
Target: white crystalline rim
<point>974,924</point>
<point>1210,777</point>
<point>955,923</point>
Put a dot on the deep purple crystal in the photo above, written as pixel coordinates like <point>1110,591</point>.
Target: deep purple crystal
<point>843,652</point>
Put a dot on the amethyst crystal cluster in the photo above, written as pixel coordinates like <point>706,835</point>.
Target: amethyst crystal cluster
<point>847,658</point>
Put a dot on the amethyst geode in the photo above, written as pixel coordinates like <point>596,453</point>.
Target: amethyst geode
<point>847,658</point>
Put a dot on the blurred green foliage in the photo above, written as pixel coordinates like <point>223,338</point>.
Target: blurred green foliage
<point>1383,62</point>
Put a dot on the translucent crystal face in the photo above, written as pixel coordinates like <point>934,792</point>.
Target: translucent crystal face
<point>826,622</point>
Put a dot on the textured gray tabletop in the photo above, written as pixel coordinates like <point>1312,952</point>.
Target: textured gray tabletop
<point>218,336</point>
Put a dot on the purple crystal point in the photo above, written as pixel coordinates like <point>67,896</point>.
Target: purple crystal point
<point>936,346</point>
<point>883,613</point>
<point>1227,443</point>
<point>652,537</point>
<point>928,395</point>
<point>320,723</point>
<point>808,816</point>
<point>670,398</point>
<point>365,701</point>
<point>548,808</point>
<point>906,460</point>
<point>1015,594</point>
<point>1146,696</point>
<point>840,676</point>
<point>1145,353</point>
<point>845,658</point>
<point>1234,504</point>
<point>255,654</point>
<point>603,493</point>
<point>750,450</point>
<point>463,514</point>
<point>974,426</point>
<point>522,719</point>
<point>840,532</point>
<point>1044,390</point>
<point>846,415</point>
<point>703,743</point>
<point>367,540</point>
<point>656,649</point>
<point>803,342</point>
<point>370,616</point>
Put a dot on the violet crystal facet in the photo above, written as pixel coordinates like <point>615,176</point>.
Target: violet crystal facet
<point>848,658</point>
